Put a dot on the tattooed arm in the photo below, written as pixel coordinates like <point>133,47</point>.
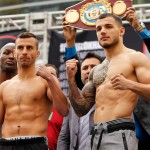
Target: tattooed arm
<point>80,101</point>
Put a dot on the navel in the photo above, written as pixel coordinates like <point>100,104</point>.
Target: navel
<point>102,108</point>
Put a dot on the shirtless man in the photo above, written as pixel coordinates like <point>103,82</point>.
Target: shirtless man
<point>114,86</point>
<point>8,65</point>
<point>27,99</point>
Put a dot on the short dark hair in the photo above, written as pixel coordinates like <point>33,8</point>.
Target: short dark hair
<point>27,35</point>
<point>92,55</point>
<point>116,18</point>
<point>51,65</point>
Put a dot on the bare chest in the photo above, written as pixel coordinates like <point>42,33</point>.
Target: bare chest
<point>24,93</point>
<point>105,71</point>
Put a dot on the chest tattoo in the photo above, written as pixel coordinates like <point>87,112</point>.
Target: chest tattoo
<point>100,72</point>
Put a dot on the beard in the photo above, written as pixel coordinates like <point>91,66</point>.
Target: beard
<point>9,69</point>
<point>109,45</point>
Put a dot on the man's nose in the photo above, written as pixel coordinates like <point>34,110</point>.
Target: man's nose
<point>24,51</point>
<point>103,30</point>
<point>11,55</point>
<point>89,69</point>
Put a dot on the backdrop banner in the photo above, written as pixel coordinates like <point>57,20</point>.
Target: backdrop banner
<point>9,36</point>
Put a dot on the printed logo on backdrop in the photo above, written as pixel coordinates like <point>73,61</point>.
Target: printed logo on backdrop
<point>85,42</point>
<point>9,36</point>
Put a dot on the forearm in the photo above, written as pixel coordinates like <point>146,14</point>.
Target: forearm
<point>80,103</point>
<point>70,42</point>
<point>60,101</point>
<point>140,89</point>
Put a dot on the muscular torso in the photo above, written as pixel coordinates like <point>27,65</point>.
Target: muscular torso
<point>110,103</point>
<point>27,107</point>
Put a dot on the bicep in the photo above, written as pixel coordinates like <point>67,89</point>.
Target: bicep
<point>88,93</point>
<point>89,89</point>
<point>143,69</point>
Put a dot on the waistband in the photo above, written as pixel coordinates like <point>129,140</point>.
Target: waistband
<point>115,125</point>
<point>21,137</point>
<point>23,140</point>
<point>111,126</point>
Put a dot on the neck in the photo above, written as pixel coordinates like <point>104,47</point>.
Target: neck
<point>5,76</point>
<point>114,51</point>
<point>26,72</point>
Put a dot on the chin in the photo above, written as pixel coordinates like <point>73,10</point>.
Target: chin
<point>24,65</point>
<point>106,45</point>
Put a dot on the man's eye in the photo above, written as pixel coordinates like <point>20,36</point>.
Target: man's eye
<point>85,68</point>
<point>98,29</point>
<point>29,48</point>
<point>6,53</point>
<point>20,48</point>
<point>109,26</point>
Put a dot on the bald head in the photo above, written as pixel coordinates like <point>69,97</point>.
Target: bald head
<point>7,46</point>
<point>7,61</point>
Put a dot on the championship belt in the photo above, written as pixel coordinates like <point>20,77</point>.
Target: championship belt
<point>84,14</point>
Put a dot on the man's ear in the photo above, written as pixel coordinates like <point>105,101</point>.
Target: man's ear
<point>122,31</point>
<point>38,53</point>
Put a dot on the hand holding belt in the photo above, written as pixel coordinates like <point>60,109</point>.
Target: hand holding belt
<point>84,14</point>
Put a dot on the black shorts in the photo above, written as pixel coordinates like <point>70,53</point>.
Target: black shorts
<point>33,143</point>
